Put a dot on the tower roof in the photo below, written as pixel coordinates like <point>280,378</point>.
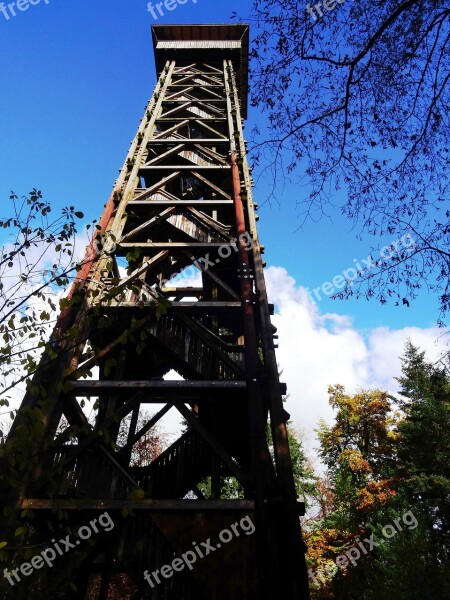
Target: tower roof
<point>187,44</point>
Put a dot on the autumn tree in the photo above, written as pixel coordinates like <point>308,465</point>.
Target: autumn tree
<point>360,449</point>
<point>386,458</point>
<point>149,446</point>
<point>360,452</point>
<point>356,97</point>
<point>415,562</point>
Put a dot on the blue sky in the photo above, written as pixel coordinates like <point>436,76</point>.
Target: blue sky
<point>75,77</point>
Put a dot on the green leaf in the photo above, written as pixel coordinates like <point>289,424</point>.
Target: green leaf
<point>138,494</point>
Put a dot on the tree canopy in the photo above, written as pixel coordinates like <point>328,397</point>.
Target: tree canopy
<point>357,96</point>
<point>36,264</point>
<point>387,481</point>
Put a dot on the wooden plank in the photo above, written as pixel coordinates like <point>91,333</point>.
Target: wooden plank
<point>184,167</point>
<point>208,307</point>
<point>199,85</point>
<point>148,264</point>
<point>177,202</point>
<point>171,97</point>
<point>189,93</point>
<point>169,245</point>
<point>156,159</point>
<point>189,141</point>
<point>174,119</point>
<point>144,504</point>
<point>211,153</point>
<point>211,185</point>
<point>212,341</point>
<point>185,79</point>
<point>202,305</point>
<point>153,188</point>
<point>210,128</point>
<point>204,101</point>
<point>95,387</point>
<point>161,192</point>
<point>73,412</point>
<point>211,223</point>
<point>180,70</point>
<point>170,130</point>
<point>174,111</point>
<point>206,66</point>
<point>164,215</point>
<point>182,291</point>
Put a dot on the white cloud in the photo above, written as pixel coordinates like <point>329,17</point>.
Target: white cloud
<point>316,350</point>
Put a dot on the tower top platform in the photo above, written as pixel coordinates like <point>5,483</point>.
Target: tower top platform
<point>187,44</point>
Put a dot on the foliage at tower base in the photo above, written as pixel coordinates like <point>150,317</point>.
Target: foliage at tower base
<point>383,526</point>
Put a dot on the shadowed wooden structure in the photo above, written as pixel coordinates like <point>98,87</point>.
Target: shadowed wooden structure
<point>183,200</point>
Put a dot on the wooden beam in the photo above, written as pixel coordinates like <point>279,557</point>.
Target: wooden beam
<point>73,411</point>
<point>182,292</point>
<point>141,228</point>
<point>148,264</point>
<point>216,279</point>
<point>174,111</point>
<point>144,504</point>
<point>156,159</point>
<point>178,202</point>
<point>155,187</point>
<point>184,167</point>
<point>204,305</point>
<point>195,85</point>
<point>88,441</point>
<point>210,128</point>
<point>119,469</point>
<point>168,245</point>
<point>211,153</point>
<point>137,436</point>
<point>211,223</point>
<point>171,97</point>
<point>202,101</point>
<point>218,306</point>
<point>188,141</point>
<point>170,130</point>
<point>192,418</point>
<point>94,388</point>
<point>211,185</point>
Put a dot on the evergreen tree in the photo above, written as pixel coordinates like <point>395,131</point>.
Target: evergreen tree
<point>424,453</point>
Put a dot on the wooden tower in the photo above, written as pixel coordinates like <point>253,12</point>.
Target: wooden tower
<point>183,200</point>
